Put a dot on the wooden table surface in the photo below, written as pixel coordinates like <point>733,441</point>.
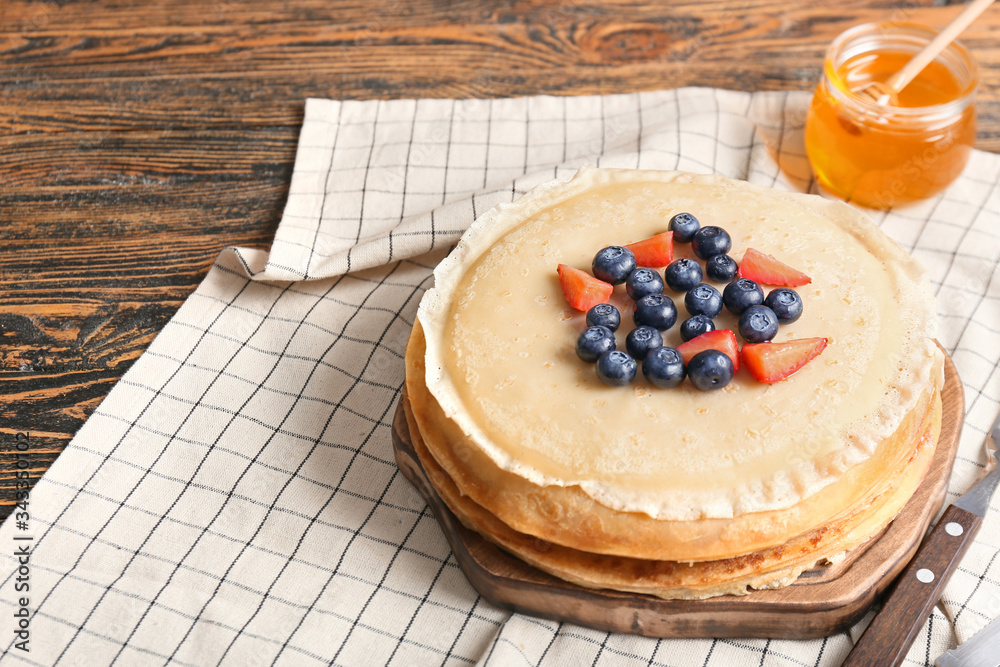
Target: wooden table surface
<point>138,139</point>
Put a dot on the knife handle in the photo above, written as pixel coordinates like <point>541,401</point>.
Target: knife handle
<point>889,636</point>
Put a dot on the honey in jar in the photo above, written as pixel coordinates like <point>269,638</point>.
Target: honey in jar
<point>882,155</point>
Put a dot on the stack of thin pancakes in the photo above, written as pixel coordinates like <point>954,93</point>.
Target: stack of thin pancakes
<point>672,492</point>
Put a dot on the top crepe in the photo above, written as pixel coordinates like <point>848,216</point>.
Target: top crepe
<point>500,355</point>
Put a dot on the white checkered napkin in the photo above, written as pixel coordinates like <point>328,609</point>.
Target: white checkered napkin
<point>234,500</point>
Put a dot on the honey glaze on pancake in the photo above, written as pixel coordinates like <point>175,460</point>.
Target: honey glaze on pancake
<point>502,362</point>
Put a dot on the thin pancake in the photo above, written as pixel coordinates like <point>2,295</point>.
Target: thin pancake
<point>569,517</point>
<point>768,568</point>
<point>501,362</point>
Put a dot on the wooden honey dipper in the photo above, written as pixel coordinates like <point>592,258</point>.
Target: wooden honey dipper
<point>887,93</point>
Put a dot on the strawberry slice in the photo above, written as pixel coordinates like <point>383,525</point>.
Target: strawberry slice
<point>582,290</point>
<point>770,362</point>
<point>766,270</point>
<point>654,252</point>
<point>723,340</point>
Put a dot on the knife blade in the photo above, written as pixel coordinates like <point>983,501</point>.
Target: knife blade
<point>908,604</point>
<point>980,650</point>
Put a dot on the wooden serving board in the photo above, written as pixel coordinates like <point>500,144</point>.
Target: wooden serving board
<point>821,602</point>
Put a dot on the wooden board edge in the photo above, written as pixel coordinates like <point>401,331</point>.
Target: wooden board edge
<point>790,612</point>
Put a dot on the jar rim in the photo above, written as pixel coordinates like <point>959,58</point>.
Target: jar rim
<point>904,33</point>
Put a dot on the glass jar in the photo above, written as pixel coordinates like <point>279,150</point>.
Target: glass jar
<point>883,155</point>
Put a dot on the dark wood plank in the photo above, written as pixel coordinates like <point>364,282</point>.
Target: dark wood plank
<point>139,139</point>
<point>152,69</point>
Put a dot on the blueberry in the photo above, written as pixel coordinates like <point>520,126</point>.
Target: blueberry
<point>710,370</point>
<point>703,300</point>
<point>643,282</point>
<point>758,324</point>
<point>655,310</point>
<point>613,264</point>
<point>664,367</point>
<point>741,294</point>
<point>721,268</point>
<point>616,368</point>
<point>594,342</point>
<point>682,274</point>
<point>711,241</point>
<point>786,304</point>
<point>695,326</point>
<point>604,315</point>
<point>684,225</point>
<point>643,340</point>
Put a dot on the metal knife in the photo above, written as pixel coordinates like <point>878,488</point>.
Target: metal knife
<point>980,650</point>
<point>889,636</point>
